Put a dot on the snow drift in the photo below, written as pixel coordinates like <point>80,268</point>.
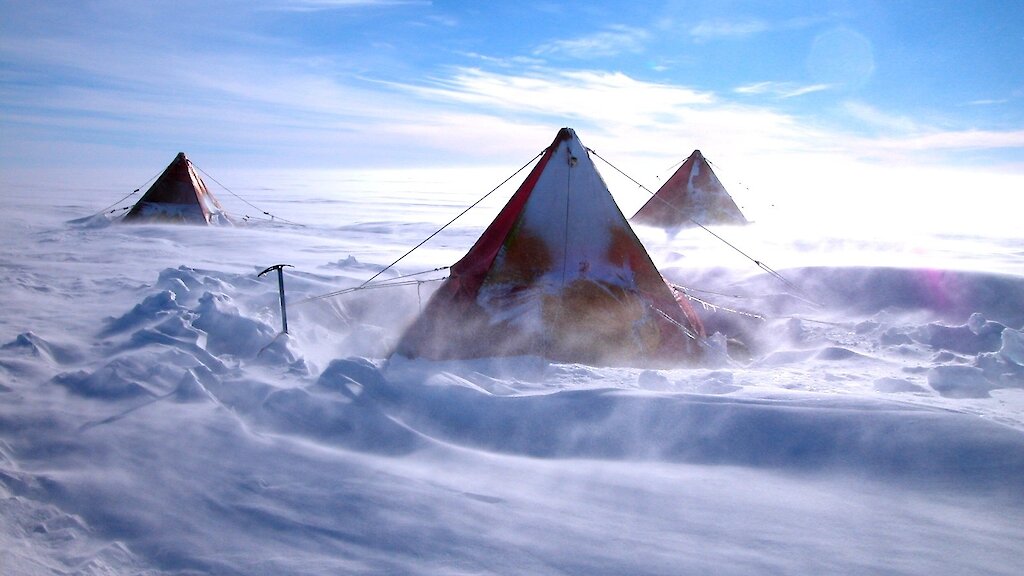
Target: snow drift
<point>866,419</point>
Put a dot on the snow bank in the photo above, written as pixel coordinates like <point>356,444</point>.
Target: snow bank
<point>153,420</point>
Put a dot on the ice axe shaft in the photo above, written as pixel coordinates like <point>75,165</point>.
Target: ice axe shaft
<point>280,289</point>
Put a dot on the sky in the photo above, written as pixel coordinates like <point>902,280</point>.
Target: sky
<point>924,98</point>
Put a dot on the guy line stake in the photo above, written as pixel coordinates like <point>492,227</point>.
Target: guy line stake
<point>280,289</point>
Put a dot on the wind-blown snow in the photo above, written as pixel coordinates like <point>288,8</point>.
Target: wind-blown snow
<point>869,420</point>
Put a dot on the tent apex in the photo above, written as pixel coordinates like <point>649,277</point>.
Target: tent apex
<point>564,134</point>
<point>692,195</point>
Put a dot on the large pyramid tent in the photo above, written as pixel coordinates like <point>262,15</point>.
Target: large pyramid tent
<point>692,196</point>
<point>559,273</point>
<point>178,195</point>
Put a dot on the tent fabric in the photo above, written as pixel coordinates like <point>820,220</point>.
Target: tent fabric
<point>178,195</point>
<point>692,196</point>
<point>559,273</point>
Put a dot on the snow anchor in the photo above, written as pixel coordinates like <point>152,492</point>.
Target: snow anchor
<point>280,289</point>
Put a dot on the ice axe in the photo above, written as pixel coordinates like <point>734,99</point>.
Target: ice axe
<point>280,289</point>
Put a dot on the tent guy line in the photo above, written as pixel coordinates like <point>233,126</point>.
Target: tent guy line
<point>108,210</point>
<point>173,192</point>
<point>450,222</point>
<point>580,288</point>
<point>254,207</point>
<point>689,333</point>
<point>389,283</point>
<point>179,195</point>
<point>720,169</point>
<point>772,272</point>
<point>712,306</point>
<point>181,176</point>
<point>692,193</point>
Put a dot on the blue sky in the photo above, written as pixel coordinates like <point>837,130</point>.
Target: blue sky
<point>339,84</point>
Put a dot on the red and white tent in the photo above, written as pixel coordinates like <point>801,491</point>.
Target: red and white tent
<point>179,195</point>
<point>692,196</point>
<point>560,274</point>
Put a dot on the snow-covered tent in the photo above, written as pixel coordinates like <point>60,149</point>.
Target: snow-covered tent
<point>178,195</point>
<point>559,273</point>
<point>693,195</point>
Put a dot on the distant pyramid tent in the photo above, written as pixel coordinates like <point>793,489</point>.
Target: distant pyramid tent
<point>178,195</point>
<point>560,274</point>
<point>693,195</point>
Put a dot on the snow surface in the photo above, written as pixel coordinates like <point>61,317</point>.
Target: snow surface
<point>152,420</point>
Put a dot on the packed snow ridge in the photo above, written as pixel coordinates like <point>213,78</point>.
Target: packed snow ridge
<point>153,420</point>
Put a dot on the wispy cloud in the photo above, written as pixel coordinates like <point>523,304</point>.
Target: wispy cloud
<point>718,29</point>
<point>900,133</point>
<point>647,121</point>
<point>609,42</point>
<point>741,28</point>
<point>780,89</point>
<point>505,62</point>
<point>988,102</point>
<point>956,140</point>
<point>581,94</point>
<point>879,120</point>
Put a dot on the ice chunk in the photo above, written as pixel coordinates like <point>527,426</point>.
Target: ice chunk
<point>1012,349</point>
<point>959,381</point>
